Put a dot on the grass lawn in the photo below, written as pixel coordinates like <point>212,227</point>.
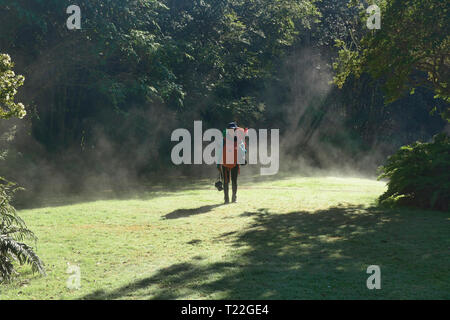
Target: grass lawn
<point>294,238</point>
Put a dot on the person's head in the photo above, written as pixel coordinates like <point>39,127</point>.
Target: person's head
<point>232,125</point>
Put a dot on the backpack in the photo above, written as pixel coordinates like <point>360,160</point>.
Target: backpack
<point>237,151</point>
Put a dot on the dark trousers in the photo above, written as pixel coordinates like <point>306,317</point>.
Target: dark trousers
<point>230,174</point>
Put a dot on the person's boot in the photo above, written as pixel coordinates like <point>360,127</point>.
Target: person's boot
<point>233,197</point>
<point>225,190</point>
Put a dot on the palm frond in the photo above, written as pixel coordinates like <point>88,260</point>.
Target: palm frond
<point>22,252</point>
<point>13,231</point>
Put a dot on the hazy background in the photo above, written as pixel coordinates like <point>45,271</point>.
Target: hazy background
<point>103,101</point>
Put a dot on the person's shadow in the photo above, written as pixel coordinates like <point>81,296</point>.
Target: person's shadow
<point>183,213</point>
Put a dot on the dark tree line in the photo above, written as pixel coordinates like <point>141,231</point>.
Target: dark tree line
<point>107,97</point>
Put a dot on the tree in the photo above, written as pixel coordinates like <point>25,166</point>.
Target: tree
<point>13,230</point>
<point>9,83</point>
<point>410,50</point>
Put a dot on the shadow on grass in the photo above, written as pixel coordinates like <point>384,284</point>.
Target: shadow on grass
<point>183,213</point>
<point>314,255</point>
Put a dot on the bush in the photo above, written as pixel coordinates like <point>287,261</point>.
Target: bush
<point>419,174</point>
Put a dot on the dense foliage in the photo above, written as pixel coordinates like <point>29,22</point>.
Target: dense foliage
<point>419,174</point>
<point>411,50</point>
<point>102,101</point>
<point>13,230</point>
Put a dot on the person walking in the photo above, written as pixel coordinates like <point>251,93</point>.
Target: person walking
<point>230,167</point>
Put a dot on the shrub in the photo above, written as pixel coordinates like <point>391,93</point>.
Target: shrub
<point>419,174</point>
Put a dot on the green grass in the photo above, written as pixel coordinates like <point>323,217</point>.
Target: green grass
<point>295,238</point>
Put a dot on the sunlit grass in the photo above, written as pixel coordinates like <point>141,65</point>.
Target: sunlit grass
<point>295,238</point>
